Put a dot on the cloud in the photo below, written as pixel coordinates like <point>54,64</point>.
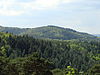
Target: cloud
<point>43,4</point>
<point>7,8</point>
<point>19,7</point>
<point>15,7</point>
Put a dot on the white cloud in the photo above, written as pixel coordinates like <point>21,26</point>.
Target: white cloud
<point>17,7</point>
<point>10,12</point>
<point>43,4</point>
<point>7,7</point>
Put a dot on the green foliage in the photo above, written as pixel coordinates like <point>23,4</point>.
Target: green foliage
<point>24,66</point>
<point>96,57</point>
<point>3,65</point>
<point>95,70</point>
<point>57,72</point>
<point>49,32</point>
<point>80,54</point>
<point>71,71</point>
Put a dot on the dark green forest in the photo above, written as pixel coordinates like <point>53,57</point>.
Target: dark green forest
<point>25,55</point>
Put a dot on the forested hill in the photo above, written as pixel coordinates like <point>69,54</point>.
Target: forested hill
<point>79,54</point>
<point>49,32</point>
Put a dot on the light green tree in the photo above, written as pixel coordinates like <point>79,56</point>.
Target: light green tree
<point>71,71</point>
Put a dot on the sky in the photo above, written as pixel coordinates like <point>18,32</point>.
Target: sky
<point>81,15</point>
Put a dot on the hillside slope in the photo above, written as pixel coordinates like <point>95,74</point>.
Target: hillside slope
<point>49,32</point>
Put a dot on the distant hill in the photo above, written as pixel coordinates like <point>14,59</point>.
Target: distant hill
<point>98,35</point>
<point>49,32</point>
<point>13,30</point>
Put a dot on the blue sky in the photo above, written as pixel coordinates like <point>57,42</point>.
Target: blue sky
<point>81,15</point>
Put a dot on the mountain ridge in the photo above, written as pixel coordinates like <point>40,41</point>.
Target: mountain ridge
<point>48,32</point>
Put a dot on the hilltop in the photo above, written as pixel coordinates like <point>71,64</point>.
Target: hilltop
<point>49,32</point>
